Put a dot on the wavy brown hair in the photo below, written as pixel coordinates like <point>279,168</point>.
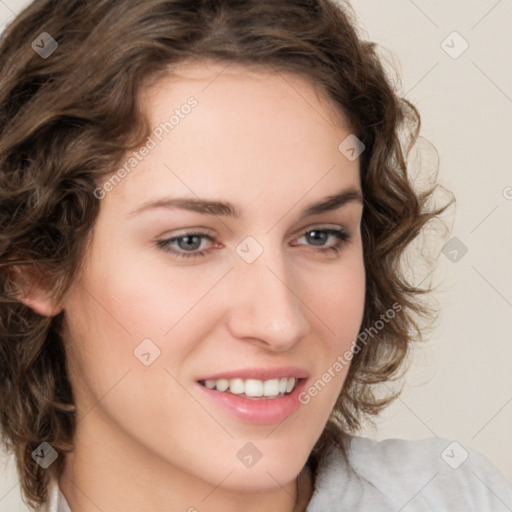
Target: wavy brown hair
<point>67,120</point>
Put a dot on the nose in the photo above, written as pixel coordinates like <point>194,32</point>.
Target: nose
<point>266,306</point>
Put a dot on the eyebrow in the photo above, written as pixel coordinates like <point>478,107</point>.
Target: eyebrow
<point>226,209</point>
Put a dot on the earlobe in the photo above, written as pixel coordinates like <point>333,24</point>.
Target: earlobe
<point>34,294</point>
<point>40,303</point>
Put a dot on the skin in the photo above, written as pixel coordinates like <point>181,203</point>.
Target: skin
<point>146,438</point>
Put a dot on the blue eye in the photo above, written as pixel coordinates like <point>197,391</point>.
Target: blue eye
<point>186,243</point>
<point>189,243</point>
<point>320,235</point>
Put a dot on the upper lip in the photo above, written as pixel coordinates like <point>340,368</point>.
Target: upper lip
<point>260,373</point>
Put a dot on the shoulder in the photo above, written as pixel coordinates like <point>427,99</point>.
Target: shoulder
<point>431,473</point>
<point>398,474</point>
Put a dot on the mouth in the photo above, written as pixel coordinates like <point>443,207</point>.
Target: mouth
<point>254,389</point>
<point>252,400</point>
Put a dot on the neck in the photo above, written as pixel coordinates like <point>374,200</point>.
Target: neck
<point>304,489</point>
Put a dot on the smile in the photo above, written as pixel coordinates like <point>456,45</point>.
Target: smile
<point>253,388</point>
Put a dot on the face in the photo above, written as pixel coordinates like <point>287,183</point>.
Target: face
<point>175,301</point>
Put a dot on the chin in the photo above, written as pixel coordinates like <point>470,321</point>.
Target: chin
<point>264,479</point>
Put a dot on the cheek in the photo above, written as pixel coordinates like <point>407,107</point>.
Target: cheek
<point>342,303</point>
<point>339,306</point>
<point>339,299</point>
<point>120,304</point>
<point>131,300</point>
<point>107,327</point>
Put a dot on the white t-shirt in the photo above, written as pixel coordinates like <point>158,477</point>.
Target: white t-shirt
<point>433,474</point>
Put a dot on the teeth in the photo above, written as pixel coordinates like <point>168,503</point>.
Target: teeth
<point>252,387</point>
<point>236,386</point>
<point>222,384</point>
<point>210,384</point>
<point>271,387</point>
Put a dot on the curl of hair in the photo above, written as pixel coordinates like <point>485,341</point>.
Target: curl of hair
<point>66,122</point>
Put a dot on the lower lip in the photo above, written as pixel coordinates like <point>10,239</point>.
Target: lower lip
<point>260,411</point>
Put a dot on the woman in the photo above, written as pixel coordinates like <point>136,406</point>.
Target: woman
<point>204,210</point>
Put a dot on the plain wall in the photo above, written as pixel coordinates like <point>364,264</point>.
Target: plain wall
<point>460,384</point>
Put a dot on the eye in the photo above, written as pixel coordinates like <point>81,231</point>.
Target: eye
<point>318,237</point>
<point>187,245</point>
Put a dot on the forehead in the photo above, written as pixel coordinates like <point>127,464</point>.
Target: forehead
<point>241,87</point>
<point>253,131</point>
<point>202,74</point>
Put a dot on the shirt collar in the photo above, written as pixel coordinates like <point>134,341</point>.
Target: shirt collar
<point>56,500</point>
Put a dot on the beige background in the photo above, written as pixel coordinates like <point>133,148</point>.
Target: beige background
<point>460,383</point>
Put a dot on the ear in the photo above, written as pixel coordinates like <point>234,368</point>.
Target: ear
<point>33,291</point>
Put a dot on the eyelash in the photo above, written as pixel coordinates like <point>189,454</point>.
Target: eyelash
<point>342,236</point>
